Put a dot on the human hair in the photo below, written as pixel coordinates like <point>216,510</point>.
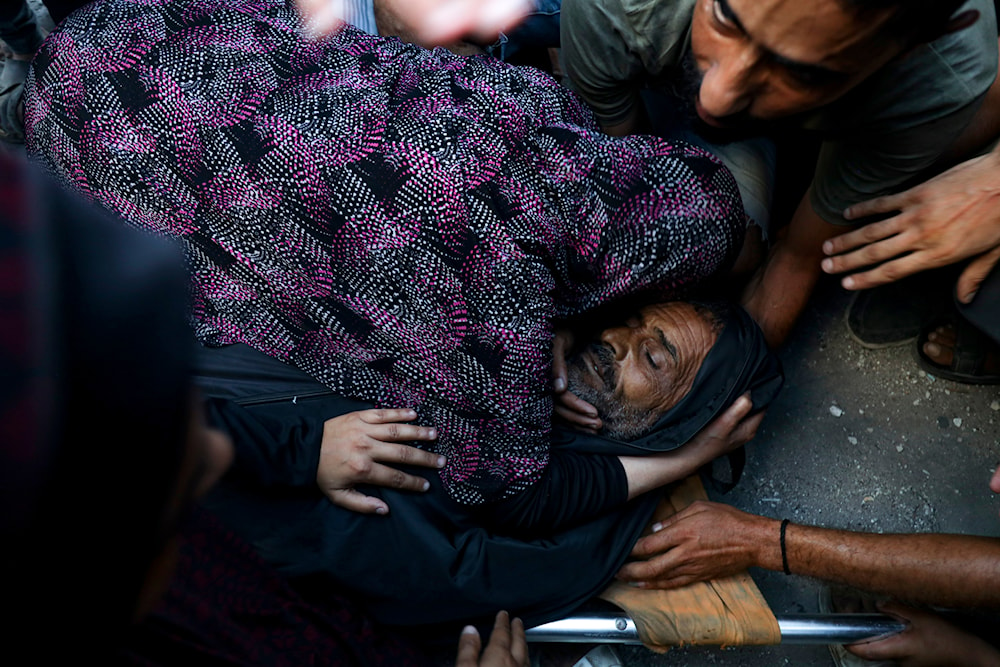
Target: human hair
<point>911,21</point>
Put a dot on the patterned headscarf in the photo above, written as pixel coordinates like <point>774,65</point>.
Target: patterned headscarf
<point>403,224</point>
<point>95,354</point>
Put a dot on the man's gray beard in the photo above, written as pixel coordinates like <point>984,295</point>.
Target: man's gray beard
<point>621,421</point>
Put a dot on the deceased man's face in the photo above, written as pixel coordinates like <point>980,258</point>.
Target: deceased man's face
<point>634,373</point>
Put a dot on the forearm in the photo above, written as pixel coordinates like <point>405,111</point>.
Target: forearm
<point>779,292</point>
<point>939,569</point>
<point>646,473</point>
<point>574,488</point>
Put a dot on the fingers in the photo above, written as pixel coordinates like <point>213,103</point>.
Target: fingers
<point>734,414</point>
<point>577,412</point>
<point>644,572</point>
<point>500,637</point>
<point>519,643</point>
<point>469,645</point>
<point>356,501</point>
<point>877,254</point>
<point>876,206</point>
<point>974,274</point>
<point>893,646</point>
<point>387,415</point>
<point>560,347</point>
<point>871,233</point>
<point>391,478</point>
<point>747,429</point>
<point>384,425</point>
<point>888,272</point>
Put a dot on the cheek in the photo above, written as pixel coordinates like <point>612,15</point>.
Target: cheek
<point>708,46</point>
<point>777,97</point>
<point>640,390</point>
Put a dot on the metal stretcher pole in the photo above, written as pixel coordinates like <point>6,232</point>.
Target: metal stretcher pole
<point>618,628</point>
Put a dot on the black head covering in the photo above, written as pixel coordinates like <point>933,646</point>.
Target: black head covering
<point>739,361</point>
<point>96,354</point>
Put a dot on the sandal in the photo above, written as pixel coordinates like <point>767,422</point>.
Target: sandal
<point>894,314</point>
<point>971,353</point>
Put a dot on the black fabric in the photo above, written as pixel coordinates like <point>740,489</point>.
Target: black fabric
<point>432,564</point>
<point>429,566</point>
<point>251,616</point>
<point>87,482</point>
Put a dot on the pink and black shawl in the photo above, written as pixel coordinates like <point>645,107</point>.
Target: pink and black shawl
<point>403,224</point>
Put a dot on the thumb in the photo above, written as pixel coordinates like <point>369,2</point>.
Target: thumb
<point>974,274</point>
<point>356,501</point>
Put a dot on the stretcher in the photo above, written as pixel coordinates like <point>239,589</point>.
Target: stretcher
<point>722,612</point>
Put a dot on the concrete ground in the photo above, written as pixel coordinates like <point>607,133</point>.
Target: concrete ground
<point>863,440</point>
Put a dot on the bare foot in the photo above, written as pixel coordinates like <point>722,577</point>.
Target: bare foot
<point>940,346</point>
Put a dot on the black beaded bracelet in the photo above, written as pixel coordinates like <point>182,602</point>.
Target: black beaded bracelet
<point>784,552</point>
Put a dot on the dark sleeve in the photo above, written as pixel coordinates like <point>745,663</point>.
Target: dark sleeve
<point>273,447</point>
<point>575,487</point>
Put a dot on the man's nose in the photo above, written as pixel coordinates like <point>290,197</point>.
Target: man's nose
<point>728,85</point>
<point>617,339</point>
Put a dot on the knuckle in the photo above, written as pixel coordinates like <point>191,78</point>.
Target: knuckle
<point>360,467</point>
<point>398,479</point>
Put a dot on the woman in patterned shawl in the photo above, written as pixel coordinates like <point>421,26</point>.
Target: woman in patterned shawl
<point>404,225</point>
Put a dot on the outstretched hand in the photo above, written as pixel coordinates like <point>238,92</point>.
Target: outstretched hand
<point>507,648</point>
<point>732,429</point>
<point>729,431</point>
<point>949,218</point>
<point>928,641</point>
<point>703,541</point>
<point>356,445</point>
<point>568,406</point>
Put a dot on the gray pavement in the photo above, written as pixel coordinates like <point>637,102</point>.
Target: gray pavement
<point>862,440</point>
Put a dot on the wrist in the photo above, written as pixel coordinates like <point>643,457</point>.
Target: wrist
<point>767,541</point>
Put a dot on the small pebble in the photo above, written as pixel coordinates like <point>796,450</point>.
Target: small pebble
<point>899,448</point>
<point>851,439</point>
<point>957,421</point>
<point>836,411</point>
<point>995,405</point>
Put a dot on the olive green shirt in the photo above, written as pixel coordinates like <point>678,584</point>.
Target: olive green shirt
<point>876,138</point>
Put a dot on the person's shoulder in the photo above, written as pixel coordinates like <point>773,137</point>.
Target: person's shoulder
<point>933,81</point>
<point>652,17</point>
<point>641,18</point>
